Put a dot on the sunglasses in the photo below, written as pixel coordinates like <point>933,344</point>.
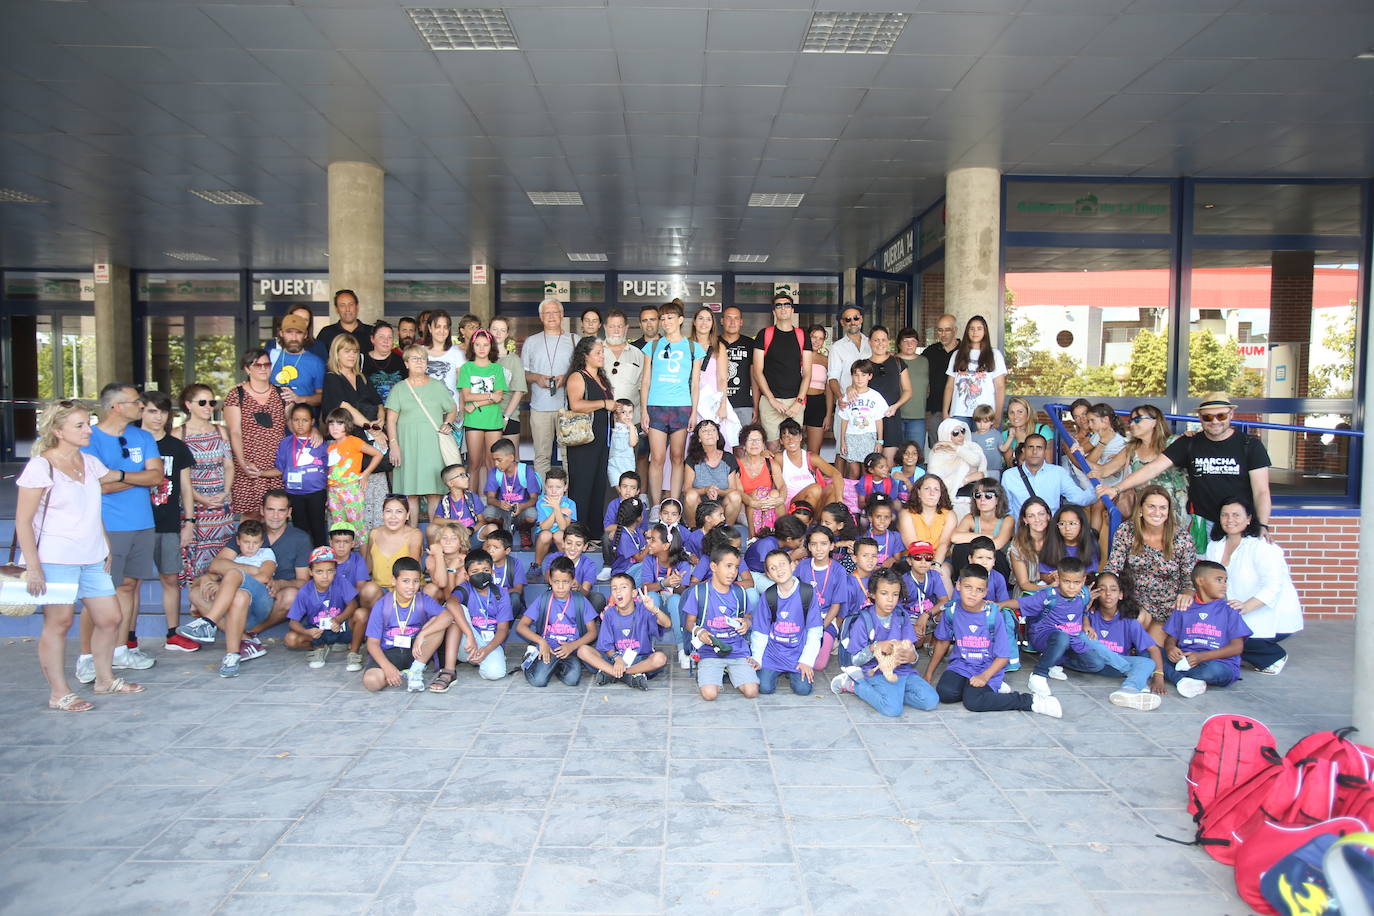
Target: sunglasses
<point>958,432</point>
<point>984,494</point>
<point>263,419</point>
<point>1139,419</point>
<point>207,402</point>
<point>401,496</point>
<point>261,364</point>
<point>849,318</point>
<point>782,305</point>
<point>1214,417</point>
<point>615,367</point>
<point>123,447</point>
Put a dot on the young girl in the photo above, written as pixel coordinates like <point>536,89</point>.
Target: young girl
<point>481,389</point>
<point>988,437</point>
<point>444,565</point>
<point>624,440</point>
<point>878,478</point>
<point>1107,444</point>
<point>831,582</point>
<point>461,509</point>
<point>710,516</point>
<point>1114,621</point>
<point>630,547</point>
<point>909,468</point>
<point>302,468</point>
<point>758,479</point>
<point>1025,549</point>
<point>890,547</point>
<point>664,576</point>
<point>836,519</point>
<point>347,476</point>
<point>1069,536</point>
<point>670,517</point>
<point>395,538</point>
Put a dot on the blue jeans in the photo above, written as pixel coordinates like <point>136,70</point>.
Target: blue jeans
<point>914,431</point>
<point>1095,658</point>
<point>1136,669</point>
<point>569,671</point>
<point>1261,653</point>
<point>1214,673</point>
<point>768,682</point>
<point>888,697</point>
<point>672,606</point>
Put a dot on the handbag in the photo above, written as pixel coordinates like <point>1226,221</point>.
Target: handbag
<point>21,604</point>
<point>448,449</point>
<point>574,428</point>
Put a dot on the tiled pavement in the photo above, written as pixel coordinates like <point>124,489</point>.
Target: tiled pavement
<point>293,791</point>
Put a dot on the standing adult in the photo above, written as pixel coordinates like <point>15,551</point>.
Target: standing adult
<point>589,392</point>
<point>1156,555</point>
<point>1034,477</point>
<point>481,389</point>
<point>546,357</point>
<point>347,387</point>
<point>382,364</point>
<point>624,359</point>
<point>407,329</point>
<point>255,418</point>
<point>851,347</point>
<point>937,357</point>
<point>669,388</point>
<point>891,381</point>
<point>173,510</point>
<point>713,401</point>
<point>648,326</point>
<point>782,366</point>
<point>346,304</point>
<point>977,374</point>
<point>444,359</point>
<point>297,372</point>
<point>57,522</point>
<point>212,478</point>
<point>1150,436</point>
<point>739,380</point>
<point>516,386</point>
<point>913,412</point>
<point>418,411</point>
<point>1221,463</point>
<point>306,314</point>
<point>820,404</point>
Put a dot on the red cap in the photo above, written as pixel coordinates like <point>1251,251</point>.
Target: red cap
<point>921,549</point>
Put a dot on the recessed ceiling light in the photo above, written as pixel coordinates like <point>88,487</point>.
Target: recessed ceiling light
<point>555,198</point>
<point>587,256</point>
<point>1209,206</point>
<point>1365,55</point>
<point>11,196</point>
<point>853,33</point>
<point>189,256</point>
<point>464,30</point>
<point>228,198</point>
<point>775,200</point>
<point>748,258</point>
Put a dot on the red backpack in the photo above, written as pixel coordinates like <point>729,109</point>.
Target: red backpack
<point>1233,768</point>
<point>768,338</point>
<point>1270,843</point>
<point>1354,761</point>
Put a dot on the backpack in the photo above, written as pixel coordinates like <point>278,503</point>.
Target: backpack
<point>1265,851</point>
<point>1354,761</point>
<point>1231,772</point>
<point>580,604</point>
<point>768,338</point>
<point>1349,867</point>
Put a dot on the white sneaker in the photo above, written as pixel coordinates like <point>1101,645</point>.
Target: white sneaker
<point>1274,668</point>
<point>1183,664</point>
<point>842,683</point>
<point>415,680</point>
<point>684,659</point>
<point>355,662</point>
<point>1004,688</point>
<point>604,575</point>
<point>1039,686</point>
<point>1191,687</point>
<point>124,657</point>
<point>1136,699</point>
<point>315,658</point>
<point>1057,673</point>
<point>85,669</point>
<point>1047,706</point>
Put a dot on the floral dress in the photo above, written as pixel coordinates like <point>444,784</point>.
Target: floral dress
<point>1154,580</point>
<point>214,524</point>
<point>345,490</point>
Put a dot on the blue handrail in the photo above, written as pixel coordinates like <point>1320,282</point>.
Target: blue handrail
<point>1052,409</point>
<point>1062,434</point>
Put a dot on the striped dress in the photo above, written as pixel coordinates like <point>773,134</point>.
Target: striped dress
<point>213,525</point>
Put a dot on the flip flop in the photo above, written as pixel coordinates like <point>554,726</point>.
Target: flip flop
<point>71,703</point>
<point>443,681</point>
<point>119,685</point>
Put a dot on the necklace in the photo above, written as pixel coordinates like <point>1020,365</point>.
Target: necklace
<point>76,464</point>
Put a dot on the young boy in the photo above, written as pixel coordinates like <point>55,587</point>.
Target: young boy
<point>488,615</point>
<point>858,596</point>
<point>512,488</point>
<point>557,627</point>
<point>925,587</point>
<point>988,437</point>
<point>982,550</point>
<point>1204,642</point>
<point>861,422</point>
<point>461,508</point>
<point>393,629</point>
<point>555,512</point>
<point>585,566</point>
<point>719,638</point>
<point>350,566</point>
<point>506,574</point>
<point>975,635</point>
<point>321,615</point>
<point>624,649</point>
<point>787,535</point>
<point>628,488</point>
<point>885,620</point>
<point>786,638</point>
<point>242,599</point>
<point>1055,625</point>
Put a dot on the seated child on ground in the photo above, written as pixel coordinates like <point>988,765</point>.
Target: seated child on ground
<point>558,625</point>
<point>350,566</point>
<point>393,628</point>
<point>710,515</point>
<point>663,577</point>
<point>507,574</point>
<point>624,648</point>
<point>869,632</point>
<point>717,618</point>
<point>555,512</point>
<point>488,614</point>
<point>631,546</point>
<point>1114,621</point>
<point>924,586</point>
<point>627,489</point>
<point>325,613</point>
<point>1204,642</point>
<point>787,629</point>
<point>670,517</point>
<point>1054,625</point>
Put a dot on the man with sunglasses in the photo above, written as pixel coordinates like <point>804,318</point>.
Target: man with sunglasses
<point>844,353</point>
<point>1221,463</point>
<point>126,509</point>
<point>1050,482</point>
<point>782,366</point>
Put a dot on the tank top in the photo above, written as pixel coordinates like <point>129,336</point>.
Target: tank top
<point>797,478</point>
<point>929,531</point>
<point>763,480</point>
<point>978,526</point>
<point>382,563</point>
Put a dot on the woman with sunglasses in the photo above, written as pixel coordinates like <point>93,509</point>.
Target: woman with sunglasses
<point>255,417</point>
<point>1149,437</point>
<point>212,479</point>
<point>957,461</point>
<point>989,517</point>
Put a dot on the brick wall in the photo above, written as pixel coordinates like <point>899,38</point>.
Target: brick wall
<point>1322,553</point>
<point>932,304</point>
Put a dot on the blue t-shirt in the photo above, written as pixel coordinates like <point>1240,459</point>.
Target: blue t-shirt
<point>787,632</point>
<point>131,509</point>
<point>758,552</point>
<point>311,605</point>
<point>670,365</point>
<point>302,372</point>
<point>485,612</point>
<point>561,617</point>
<point>304,467</point>
<point>976,638</point>
<point>387,621</point>
<point>1208,627</point>
<point>1123,635</point>
<point>613,509</point>
<point>650,571</point>
<point>543,510</point>
<point>714,611</point>
<point>584,570</point>
<point>628,542</point>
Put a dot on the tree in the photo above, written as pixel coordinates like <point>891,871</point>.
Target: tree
<point>1336,380</point>
<point>1213,365</point>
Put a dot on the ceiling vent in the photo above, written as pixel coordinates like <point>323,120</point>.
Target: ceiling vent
<point>853,33</point>
<point>464,30</point>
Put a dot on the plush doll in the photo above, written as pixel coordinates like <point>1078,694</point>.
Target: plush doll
<point>886,652</point>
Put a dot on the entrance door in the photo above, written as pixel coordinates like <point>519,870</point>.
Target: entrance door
<point>192,343</point>
<point>885,299</point>
<point>49,354</point>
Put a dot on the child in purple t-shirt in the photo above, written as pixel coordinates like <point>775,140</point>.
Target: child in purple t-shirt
<point>664,576</point>
<point>1204,642</point>
<point>393,631</point>
<point>460,508</point>
<point>628,488</point>
<point>1055,625</point>
<point>624,648</point>
<point>557,626</point>
<point>507,574</point>
<point>1116,625</point>
<point>884,620</point>
<point>325,613</point>
<point>716,616</point>
<point>786,638</point>
<point>832,583</point>
<point>585,566</point>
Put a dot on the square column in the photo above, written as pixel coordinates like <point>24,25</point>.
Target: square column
<point>356,235</point>
<point>114,328</point>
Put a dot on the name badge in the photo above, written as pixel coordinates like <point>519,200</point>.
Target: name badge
<point>295,478</point>
<point>326,623</point>
<point>401,642</point>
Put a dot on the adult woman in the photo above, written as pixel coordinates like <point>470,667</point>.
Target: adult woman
<point>481,387</point>
<point>589,392</point>
<point>255,417</point>
<point>1020,424</point>
<point>669,388</point>
<point>711,473</point>
<point>1032,529</point>
<point>712,402</point>
<point>913,412</point>
<point>417,410</point>
<point>590,324</point>
<point>516,386</point>
<point>890,380</point>
<point>1258,584</point>
<point>1155,555</point>
<point>820,407</point>
<point>58,526</point>
<point>1149,436</point>
<point>212,479</point>
<point>957,461</point>
<point>382,365</point>
<point>758,481</point>
<point>989,518</point>
<point>977,373</point>
<point>347,388</point>
<point>929,516</point>
<point>806,477</point>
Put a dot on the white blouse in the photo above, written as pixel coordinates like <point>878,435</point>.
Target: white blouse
<point>1258,570</point>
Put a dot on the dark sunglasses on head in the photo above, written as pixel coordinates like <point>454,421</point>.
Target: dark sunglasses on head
<point>262,418</point>
<point>401,496</point>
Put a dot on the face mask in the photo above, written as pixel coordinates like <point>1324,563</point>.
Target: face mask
<point>480,581</point>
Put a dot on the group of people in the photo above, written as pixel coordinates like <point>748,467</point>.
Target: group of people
<point>727,543</point>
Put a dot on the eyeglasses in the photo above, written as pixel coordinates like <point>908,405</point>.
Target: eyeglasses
<point>1138,419</point>
<point>261,364</point>
<point>944,330</point>
<point>1214,417</point>
<point>417,359</point>
<point>984,494</point>
<point>207,402</point>
<point>401,496</point>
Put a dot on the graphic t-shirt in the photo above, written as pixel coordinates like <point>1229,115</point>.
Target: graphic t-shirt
<point>313,606</point>
<point>485,612</point>
<point>858,636</point>
<point>302,372</point>
<point>166,497</point>
<point>130,509</point>
<point>304,467</point>
<point>488,379</point>
<point>561,617</point>
<point>1208,627</point>
<point>926,592</point>
<point>670,385</point>
<point>718,613</point>
<point>739,381</point>
<point>613,509</point>
<point>1217,470</point>
<point>384,374</point>
<point>990,441</point>
<point>1123,635</point>
<point>975,638</point>
<point>388,620</point>
<point>785,634</point>
<point>636,630</point>
<point>584,569</point>
<point>1047,611</point>
<point>971,386</point>
<point>464,511</point>
<point>628,542</point>
<point>520,485</point>
<point>864,414</point>
<point>833,583</point>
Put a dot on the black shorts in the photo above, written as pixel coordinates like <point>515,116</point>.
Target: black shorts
<point>815,410</point>
<point>401,658</point>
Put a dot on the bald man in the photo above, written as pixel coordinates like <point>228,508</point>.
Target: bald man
<point>938,356</point>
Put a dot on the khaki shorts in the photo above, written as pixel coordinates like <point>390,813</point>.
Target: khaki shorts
<point>711,672</point>
<point>771,419</point>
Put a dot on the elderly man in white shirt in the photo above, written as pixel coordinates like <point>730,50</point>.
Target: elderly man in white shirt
<point>547,356</point>
<point>851,347</point>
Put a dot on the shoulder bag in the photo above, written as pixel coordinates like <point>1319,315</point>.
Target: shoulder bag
<point>448,449</point>
<point>575,428</point>
<point>18,601</point>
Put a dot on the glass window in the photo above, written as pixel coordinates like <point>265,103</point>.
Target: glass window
<point>216,352</point>
<point>78,358</point>
<point>885,301</point>
<point>1276,209</point>
<point>408,293</point>
<point>817,299</point>
<point>166,341</point>
<point>162,287</point>
<point>46,286</point>
<point>1080,206</point>
<point>1086,321</point>
<point>1307,465</point>
<point>932,304</point>
<point>534,288</point>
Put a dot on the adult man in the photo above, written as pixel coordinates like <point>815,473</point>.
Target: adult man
<point>546,357</point>
<point>346,304</point>
<point>382,364</point>
<point>1033,477</point>
<point>624,363</point>
<point>782,364</point>
<point>849,349</point>
<point>405,333</point>
<point>648,326</point>
<point>289,545</point>
<point>126,508</point>
<point>938,356</point>
<point>295,370</point>
<point>739,379</point>
<point>1221,463</point>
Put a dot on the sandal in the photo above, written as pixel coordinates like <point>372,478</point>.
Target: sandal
<point>71,703</point>
<point>443,681</point>
<point>119,685</point>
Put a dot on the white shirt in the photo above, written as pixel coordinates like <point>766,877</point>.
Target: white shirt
<point>625,371</point>
<point>864,414</point>
<point>1258,570</point>
<point>972,388</point>
<point>843,356</point>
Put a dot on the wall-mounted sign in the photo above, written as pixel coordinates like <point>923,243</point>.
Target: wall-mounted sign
<point>479,274</point>
<point>425,289</point>
<point>557,289</point>
<point>300,289</point>
<point>896,258</point>
<point>102,273</point>
<point>183,288</point>
<point>693,289</point>
<point>524,287</point>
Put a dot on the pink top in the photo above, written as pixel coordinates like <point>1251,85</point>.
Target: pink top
<point>818,374</point>
<point>67,522</point>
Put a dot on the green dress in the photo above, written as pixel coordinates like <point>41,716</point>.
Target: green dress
<point>487,379</point>
<point>421,461</point>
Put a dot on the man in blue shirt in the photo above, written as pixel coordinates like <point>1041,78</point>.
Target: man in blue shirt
<point>295,370</point>
<point>1033,477</point>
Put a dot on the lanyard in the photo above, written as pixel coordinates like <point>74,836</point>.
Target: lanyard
<point>481,603</point>
<point>498,580</point>
<point>549,618</point>
<point>297,443</point>
<point>887,542</point>
<point>820,591</point>
<point>410,612</point>
<point>629,532</point>
<point>920,589</point>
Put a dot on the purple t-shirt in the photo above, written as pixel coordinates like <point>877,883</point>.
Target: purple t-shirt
<point>584,570</point>
<point>508,575</point>
<point>716,613</point>
<point>560,617</point>
<point>758,552</point>
<point>889,544</point>
<point>1047,611</point>
<point>485,612</point>
<point>304,467</point>
<point>1123,635</point>
<point>388,621</point>
<point>650,571</point>
<point>311,606</point>
<point>628,542</point>
<point>509,487</point>
<point>787,632</point>
<point>1208,627</point>
<point>856,596</point>
<point>464,511</point>
<point>974,644</point>
<point>636,630</point>
<point>691,541</point>
<point>897,626</point>
<point>613,509</point>
<point>926,593</point>
<point>832,583</point>
<point>353,570</point>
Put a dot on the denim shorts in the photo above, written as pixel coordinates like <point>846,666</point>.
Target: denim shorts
<point>669,419</point>
<point>260,600</point>
<point>92,581</point>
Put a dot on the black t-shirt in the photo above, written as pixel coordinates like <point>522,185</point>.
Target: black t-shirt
<point>739,382</point>
<point>176,457</point>
<point>639,344</point>
<point>362,334</point>
<point>362,396</point>
<point>1217,470</point>
<point>887,379</point>
<point>384,373</point>
<point>782,361</point>
<point>939,359</point>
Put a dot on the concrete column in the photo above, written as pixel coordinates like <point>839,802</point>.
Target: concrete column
<point>356,239</point>
<point>482,298</point>
<point>849,292</point>
<point>973,198</point>
<point>114,329</point>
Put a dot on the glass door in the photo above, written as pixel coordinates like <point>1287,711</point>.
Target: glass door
<point>192,343</point>
<point>48,356</point>
<point>885,299</point>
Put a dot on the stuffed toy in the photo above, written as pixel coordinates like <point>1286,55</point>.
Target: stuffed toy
<point>886,651</point>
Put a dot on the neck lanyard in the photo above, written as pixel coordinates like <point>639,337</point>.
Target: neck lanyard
<point>481,602</point>
<point>549,618</point>
<point>629,532</point>
<point>820,590</point>
<point>734,610</point>
<point>920,588</point>
<point>410,612</point>
<point>499,581</point>
<point>297,443</point>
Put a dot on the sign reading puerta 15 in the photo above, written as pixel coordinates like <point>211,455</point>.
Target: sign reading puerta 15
<point>695,289</point>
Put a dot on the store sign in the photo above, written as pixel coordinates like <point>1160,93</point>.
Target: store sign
<point>49,288</point>
<point>396,289</point>
<point>535,288</point>
<point>691,288</point>
<point>896,258</point>
<point>295,288</point>
<point>1089,206</point>
<point>156,288</point>
<point>557,289</point>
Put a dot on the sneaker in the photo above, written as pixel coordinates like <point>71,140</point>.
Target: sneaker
<point>415,679</point>
<point>1039,686</point>
<point>200,629</point>
<point>1013,665</point>
<point>602,679</point>
<point>1274,668</point>
<point>315,658</point>
<point>684,660</point>
<point>842,683</point>
<point>124,657</point>
<point>85,669</point>
<point>1047,706</point>
<point>250,649</point>
<point>637,681</point>
<point>604,575</point>
<point>178,643</point>
<point>535,569</point>
<point>1191,687</point>
<point>355,662</point>
<point>1004,688</point>
<point>1135,699</point>
<point>229,667</point>
<point>1057,673</point>
<point>653,516</point>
